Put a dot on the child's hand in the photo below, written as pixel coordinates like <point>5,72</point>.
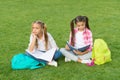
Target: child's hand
<point>77,52</point>
<point>67,48</point>
<point>34,36</point>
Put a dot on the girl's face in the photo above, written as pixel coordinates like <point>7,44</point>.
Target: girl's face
<point>80,26</point>
<point>36,29</point>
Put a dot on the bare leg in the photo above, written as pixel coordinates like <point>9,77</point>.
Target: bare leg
<point>79,60</point>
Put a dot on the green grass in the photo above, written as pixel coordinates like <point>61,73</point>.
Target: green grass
<point>16,17</point>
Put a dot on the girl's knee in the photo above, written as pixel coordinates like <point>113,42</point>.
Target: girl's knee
<point>62,50</point>
<point>57,55</point>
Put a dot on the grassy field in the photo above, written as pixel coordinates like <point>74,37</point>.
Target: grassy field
<point>16,17</point>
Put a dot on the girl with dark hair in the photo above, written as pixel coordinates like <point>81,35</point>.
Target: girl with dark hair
<point>80,36</point>
<point>41,40</point>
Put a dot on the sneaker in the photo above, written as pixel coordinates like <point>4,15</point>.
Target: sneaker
<point>53,63</point>
<point>67,59</point>
<point>91,63</point>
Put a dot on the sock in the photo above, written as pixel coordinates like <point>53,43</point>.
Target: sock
<point>86,61</point>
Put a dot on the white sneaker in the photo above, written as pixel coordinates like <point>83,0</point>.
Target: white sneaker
<point>86,61</point>
<point>67,59</point>
<point>53,63</point>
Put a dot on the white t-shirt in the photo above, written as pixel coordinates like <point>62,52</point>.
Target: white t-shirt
<point>41,43</point>
<point>79,40</point>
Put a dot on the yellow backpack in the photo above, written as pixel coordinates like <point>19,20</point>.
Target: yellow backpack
<point>101,53</point>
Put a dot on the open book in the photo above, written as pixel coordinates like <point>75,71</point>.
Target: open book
<point>47,56</point>
<point>80,49</point>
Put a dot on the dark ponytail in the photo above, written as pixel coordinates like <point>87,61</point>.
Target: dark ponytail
<point>72,32</point>
<point>86,20</point>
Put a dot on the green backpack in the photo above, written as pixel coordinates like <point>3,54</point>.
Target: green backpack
<point>100,53</point>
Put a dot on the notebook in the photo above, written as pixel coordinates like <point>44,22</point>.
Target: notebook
<point>80,49</point>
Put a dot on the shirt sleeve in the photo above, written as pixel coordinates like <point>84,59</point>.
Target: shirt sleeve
<point>70,38</point>
<point>52,41</point>
<point>30,41</point>
<point>90,41</point>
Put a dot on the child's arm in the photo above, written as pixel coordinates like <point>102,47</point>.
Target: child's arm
<point>32,44</point>
<point>66,46</point>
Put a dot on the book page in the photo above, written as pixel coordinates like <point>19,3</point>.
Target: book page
<point>47,56</point>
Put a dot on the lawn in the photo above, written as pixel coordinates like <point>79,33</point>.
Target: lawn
<point>16,17</point>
